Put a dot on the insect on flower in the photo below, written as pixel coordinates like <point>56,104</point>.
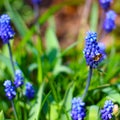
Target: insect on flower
<point>97,57</point>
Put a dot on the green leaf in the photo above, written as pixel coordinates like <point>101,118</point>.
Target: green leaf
<point>54,108</point>
<point>51,38</point>
<point>39,75</point>
<point>7,62</point>
<point>16,18</point>
<point>93,113</point>
<point>62,68</point>
<point>35,110</point>
<point>94,17</point>
<point>68,97</point>
<point>115,97</point>
<point>2,116</point>
<point>66,103</point>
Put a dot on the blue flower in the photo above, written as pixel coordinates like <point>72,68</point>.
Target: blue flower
<point>9,90</point>
<point>111,15</point>
<point>106,112</point>
<point>109,25</point>
<point>5,19</point>
<point>109,22</point>
<point>18,78</point>
<point>78,109</point>
<point>6,31</point>
<point>36,1</point>
<point>29,92</point>
<point>105,4</point>
<point>94,52</point>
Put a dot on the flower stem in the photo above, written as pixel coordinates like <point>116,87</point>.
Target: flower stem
<point>88,83</point>
<point>11,58</point>
<point>14,110</point>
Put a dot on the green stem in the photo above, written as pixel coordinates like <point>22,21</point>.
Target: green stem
<point>88,83</point>
<point>14,110</point>
<point>11,58</point>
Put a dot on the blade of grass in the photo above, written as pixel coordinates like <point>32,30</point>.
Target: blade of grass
<point>35,110</point>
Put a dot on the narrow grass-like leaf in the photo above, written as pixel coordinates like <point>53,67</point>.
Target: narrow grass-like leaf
<point>2,116</point>
<point>93,113</point>
<point>66,103</point>
<point>94,17</point>
<point>35,110</point>
<point>51,39</point>
<point>54,108</point>
<point>16,18</point>
<point>39,75</point>
<point>7,62</point>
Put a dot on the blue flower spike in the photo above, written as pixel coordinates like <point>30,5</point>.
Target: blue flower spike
<point>94,52</point>
<point>106,112</point>
<point>29,92</point>
<point>19,79</point>
<point>6,31</point>
<point>78,109</point>
<point>109,22</point>
<point>111,15</point>
<point>36,1</point>
<point>9,90</point>
<point>105,4</point>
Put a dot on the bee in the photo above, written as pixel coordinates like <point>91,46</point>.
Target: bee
<point>97,57</point>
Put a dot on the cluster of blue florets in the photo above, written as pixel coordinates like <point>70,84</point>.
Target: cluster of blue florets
<point>94,52</point>
<point>6,31</point>
<point>110,15</point>
<point>11,87</point>
<point>78,109</point>
<point>10,90</point>
<point>105,4</point>
<point>36,1</point>
<point>29,92</point>
<point>19,79</point>
<point>109,22</point>
<point>106,112</point>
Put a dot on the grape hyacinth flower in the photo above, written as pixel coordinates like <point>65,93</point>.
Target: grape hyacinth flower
<point>78,109</point>
<point>9,89</point>
<point>111,15</point>
<point>6,31</point>
<point>105,4</point>
<point>106,112</point>
<point>109,25</point>
<point>109,22</point>
<point>36,1</point>
<point>18,82</point>
<point>93,51</point>
<point>29,92</point>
